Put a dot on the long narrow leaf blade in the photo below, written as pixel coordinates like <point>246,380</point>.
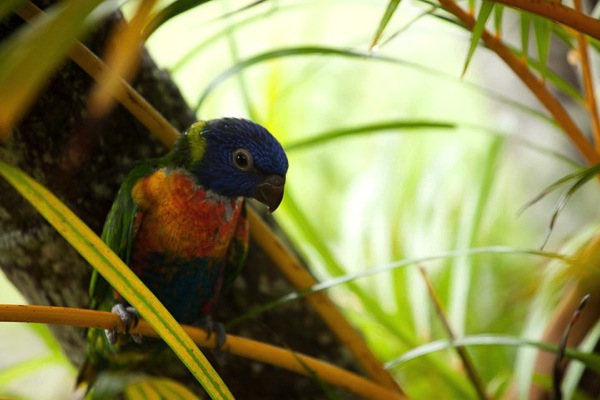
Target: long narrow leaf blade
<point>386,268</point>
<point>154,387</point>
<point>363,129</point>
<point>498,17</point>
<point>81,237</point>
<point>590,360</point>
<point>385,20</point>
<point>484,14</point>
<point>172,10</point>
<point>581,176</point>
<point>304,51</point>
<point>543,29</point>
<point>584,177</point>
<point>525,27</point>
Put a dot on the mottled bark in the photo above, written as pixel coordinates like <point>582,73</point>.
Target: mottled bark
<point>83,163</point>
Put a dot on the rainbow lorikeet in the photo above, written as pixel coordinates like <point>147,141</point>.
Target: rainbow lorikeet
<point>179,223</point>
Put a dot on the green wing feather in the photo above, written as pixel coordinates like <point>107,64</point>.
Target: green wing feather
<point>118,232</point>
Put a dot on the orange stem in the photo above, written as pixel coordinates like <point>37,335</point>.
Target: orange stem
<point>268,354</point>
<point>588,84</point>
<point>537,86</point>
<point>554,10</point>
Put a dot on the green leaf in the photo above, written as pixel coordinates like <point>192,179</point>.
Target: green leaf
<point>301,51</point>
<point>153,387</point>
<point>585,176</point>
<point>525,25</point>
<point>359,130</point>
<point>483,16</point>
<point>385,19</point>
<point>111,385</point>
<point>581,177</point>
<point>543,29</point>
<point>557,80</point>
<point>498,14</point>
<point>7,6</point>
<point>404,263</point>
<point>348,278</point>
<point>589,359</point>
<point>181,6</point>
<point>275,54</point>
<point>30,56</point>
<point>120,277</point>
<point>200,45</point>
<point>172,10</point>
<point>406,126</point>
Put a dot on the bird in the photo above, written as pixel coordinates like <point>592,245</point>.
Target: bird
<point>179,222</point>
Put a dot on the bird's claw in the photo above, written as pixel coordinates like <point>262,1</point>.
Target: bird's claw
<point>129,317</point>
<point>211,327</point>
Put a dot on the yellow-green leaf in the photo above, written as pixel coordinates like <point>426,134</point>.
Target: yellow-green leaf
<point>170,11</point>
<point>6,6</point>
<point>542,28</point>
<point>498,15</point>
<point>122,59</point>
<point>389,12</point>
<point>110,266</point>
<point>153,387</point>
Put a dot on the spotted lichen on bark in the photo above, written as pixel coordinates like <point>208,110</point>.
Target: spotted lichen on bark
<point>83,163</point>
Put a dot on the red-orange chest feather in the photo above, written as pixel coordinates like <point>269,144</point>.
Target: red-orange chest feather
<point>182,220</point>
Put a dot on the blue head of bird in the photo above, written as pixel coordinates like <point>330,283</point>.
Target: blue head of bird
<point>235,158</point>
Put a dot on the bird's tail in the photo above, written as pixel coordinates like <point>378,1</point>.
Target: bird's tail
<point>86,377</point>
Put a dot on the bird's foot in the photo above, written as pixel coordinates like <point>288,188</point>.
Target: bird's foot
<point>211,327</point>
<point>129,317</point>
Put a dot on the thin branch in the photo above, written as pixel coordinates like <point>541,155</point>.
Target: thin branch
<point>588,84</point>
<point>555,11</point>
<point>537,86</point>
<point>462,351</point>
<point>266,353</point>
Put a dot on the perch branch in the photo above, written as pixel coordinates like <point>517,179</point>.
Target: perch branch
<point>588,84</point>
<point>268,354</point>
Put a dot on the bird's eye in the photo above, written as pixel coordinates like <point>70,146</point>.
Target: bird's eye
<point>242,159</point>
